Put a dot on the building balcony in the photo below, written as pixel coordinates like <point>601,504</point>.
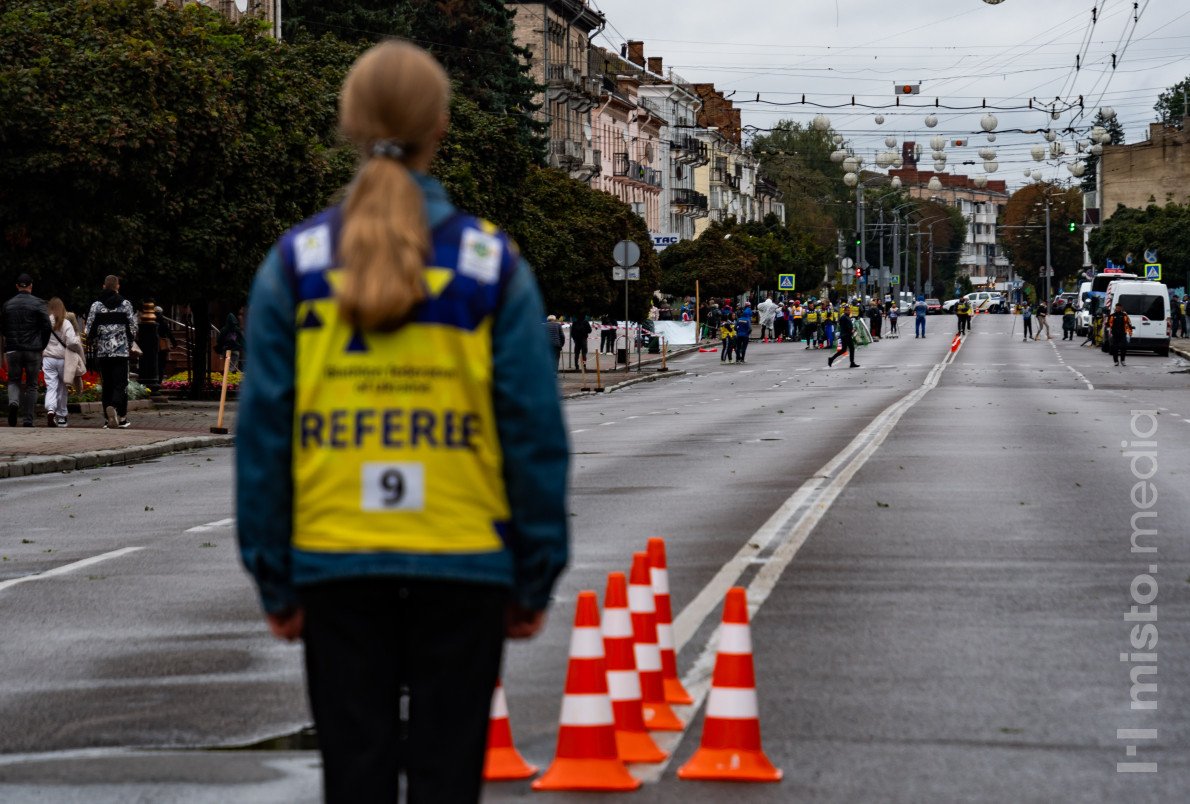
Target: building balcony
<point>565,154</point>
<point>620,164</point>
<point>689,150</point>
<point>644,174</point>
<point>690,200</point>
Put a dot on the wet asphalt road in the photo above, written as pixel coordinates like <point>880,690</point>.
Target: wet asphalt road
<point>949,630</point>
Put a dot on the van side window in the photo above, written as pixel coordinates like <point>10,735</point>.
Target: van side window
<point>1151,307</point>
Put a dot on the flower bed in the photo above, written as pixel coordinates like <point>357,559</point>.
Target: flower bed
<point>92,390</point>
<point>181,381</point>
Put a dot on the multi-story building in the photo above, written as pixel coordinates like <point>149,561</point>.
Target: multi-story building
<point>1156,171</point>
<point>666,96</point>
<point>980,205</point>
<point>629,136</point>
<point>269,10</point>
<point>730,176</point>
<point>557,34</point>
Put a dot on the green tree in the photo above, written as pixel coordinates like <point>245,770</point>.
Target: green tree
<point>1116,131</point>
<point>168,146</point>
<point>472,38</point>
<point>1022,235</point>
<point>1165,230</point>
<point>1171,104</point>
<point>567,231</point>
<point>724,263</point>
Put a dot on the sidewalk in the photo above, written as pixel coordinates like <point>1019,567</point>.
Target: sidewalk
<point>175,426</point>
<point>156,430</point>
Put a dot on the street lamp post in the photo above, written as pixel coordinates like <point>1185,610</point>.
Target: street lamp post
<point>1048,266</point>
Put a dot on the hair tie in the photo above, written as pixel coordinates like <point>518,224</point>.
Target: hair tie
<point>389,149</point>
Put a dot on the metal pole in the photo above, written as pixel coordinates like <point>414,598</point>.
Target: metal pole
<point>860,262</point>
<point>896,266</point>
<point>883,288</point>
<point>1048,268</point>
<point>917,276</point>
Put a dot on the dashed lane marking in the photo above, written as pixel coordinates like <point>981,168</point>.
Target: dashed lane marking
<point>67,568</point>
<point>218,524</point>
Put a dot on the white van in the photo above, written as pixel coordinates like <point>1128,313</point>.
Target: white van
<point>1147,304</point>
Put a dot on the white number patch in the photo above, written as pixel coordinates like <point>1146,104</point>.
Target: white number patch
<point>394,487</point>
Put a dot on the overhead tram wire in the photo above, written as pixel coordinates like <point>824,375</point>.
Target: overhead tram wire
<point>1080,57</point>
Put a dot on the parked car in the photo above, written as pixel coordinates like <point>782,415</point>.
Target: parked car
<point>980,301</point>
<point>1059,303</point>
<point>933,306</point>
<point>1147,304</point>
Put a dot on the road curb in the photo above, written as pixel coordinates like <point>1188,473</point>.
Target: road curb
<point>1180,352</point>
<point>43,464</point>
<point>661,375</point>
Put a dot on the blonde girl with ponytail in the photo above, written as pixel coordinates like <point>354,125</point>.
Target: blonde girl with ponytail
<point>401,459</point>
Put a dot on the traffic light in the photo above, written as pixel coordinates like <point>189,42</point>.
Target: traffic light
<point>1072,227</point>
<point>858,242</point>
<point>859,272</point>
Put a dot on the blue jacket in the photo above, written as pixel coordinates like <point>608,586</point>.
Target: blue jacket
<point>743,326</point>
<point>532,439</point>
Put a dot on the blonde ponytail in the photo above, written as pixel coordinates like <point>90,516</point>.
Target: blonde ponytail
<point>393,105</point>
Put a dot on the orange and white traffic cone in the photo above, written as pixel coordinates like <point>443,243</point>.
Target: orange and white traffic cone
<point>730,750</point>
<point>632,738</point>
<point>658,714</point>
<point>502,761</point>
<point>586,757</point>
<point>675,693</point>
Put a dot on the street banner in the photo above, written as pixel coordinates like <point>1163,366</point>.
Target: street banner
<point>678,333</point>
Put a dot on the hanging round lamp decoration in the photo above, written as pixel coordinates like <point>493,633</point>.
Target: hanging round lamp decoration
<point>838,155</point>
<point>821,122</point>
<point>837,139</point>
<point>850,164</point>
<point>991,166</point>
<point>882,159</point>
<point>991,137</point>
<point>899,161</point>
<point>989,122</point>
<point>1055,115</point>
<point>981,181</point>
<point>1108,113</point>
<point>987,153</point>
<point>1097,149</point>
<point>1037,152</point>
<point>890,141</point>
<point>850,179</point>
<point>880,120</point>
<point>1050,135</point>
<point>1077,169</point>
<point>939,165</point>
<point>931,120</point>
<point>1028,172</point>
<point>895,183</point>
<point>935,184</point>
<point>938,142</point>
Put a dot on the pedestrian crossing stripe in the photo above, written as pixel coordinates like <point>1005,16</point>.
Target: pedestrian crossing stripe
<point>785,282</point>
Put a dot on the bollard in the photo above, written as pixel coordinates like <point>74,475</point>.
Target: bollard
<point>598,375</point>
<point>219,429</point>
<point>664,352</point>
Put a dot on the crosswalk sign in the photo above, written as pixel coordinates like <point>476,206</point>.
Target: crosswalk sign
<point>1153,271</point>
<point>785,282</point>
<point>895,279</point>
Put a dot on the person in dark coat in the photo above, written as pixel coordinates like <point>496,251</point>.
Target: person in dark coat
<point>846,340</point>
<point>580,331</point>
<point>25,329</point>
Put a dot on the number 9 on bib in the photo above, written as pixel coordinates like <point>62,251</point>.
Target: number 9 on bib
<point>393,487</point>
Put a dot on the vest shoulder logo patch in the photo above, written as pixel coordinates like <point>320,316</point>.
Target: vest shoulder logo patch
<point>311,321</point>
<point>312,249</point>
<point>479,256</point>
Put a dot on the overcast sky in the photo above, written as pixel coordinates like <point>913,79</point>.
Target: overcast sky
<point>961,52</point>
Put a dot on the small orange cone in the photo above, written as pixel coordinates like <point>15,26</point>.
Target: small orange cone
<point>586,756</point>
<point>503,762</point>
<point>632,738</point>
<point>730,749</point>
<point>675,693</point>
<point>658,715</point>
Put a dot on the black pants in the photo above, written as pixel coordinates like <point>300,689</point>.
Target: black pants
<point>1027,327</point>
<point>1119,347</point>
<point>401,674</point>
<point>846,344</point>
<point>741,346</point>
<point>23,368</point>
<point>964,322</point>
<point>580,352</point>
<point>113,375</point>
<point>607,340</point>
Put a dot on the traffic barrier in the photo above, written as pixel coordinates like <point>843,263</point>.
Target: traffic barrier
<point>502,761</point>
<point>954,345</point>
<point>586,757</point>
<point>730,749</point>
<point>632,737</point>
<point>675,693</point>
<point>658,714</point>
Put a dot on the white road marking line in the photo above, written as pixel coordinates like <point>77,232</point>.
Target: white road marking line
<point>216,525</point>
<point>576,432</point>
<point>788,527</point>
<point>1072,369</point>
<point>65,568</point>
<point>607,424</point>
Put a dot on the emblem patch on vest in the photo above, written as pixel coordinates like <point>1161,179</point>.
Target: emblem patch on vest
<point>479,257</point>
<point>313,249</point>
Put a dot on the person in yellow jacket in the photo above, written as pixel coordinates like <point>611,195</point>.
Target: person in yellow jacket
<point>962,311</point>
<point>401,462</point>
<point>810,324</point>
<point>727,336</point>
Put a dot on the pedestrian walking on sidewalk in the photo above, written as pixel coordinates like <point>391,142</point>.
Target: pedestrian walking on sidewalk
<point>111,331</point>
<point>553,332</point>
<point>404,546</point>
<point>63,345</point>
<point>580,332</point>
<point>25,331</point>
